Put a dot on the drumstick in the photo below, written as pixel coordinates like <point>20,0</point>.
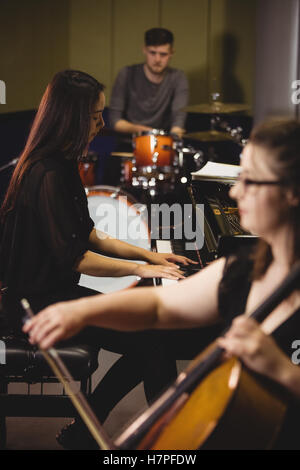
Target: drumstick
<point>122,154</point>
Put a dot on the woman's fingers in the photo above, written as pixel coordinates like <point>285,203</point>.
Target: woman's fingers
<point>41,328</point>
<point>189,261</point>
<point>232,346</point>
<point>242,326</point>
<point>48,340</point>
<point>34,325</point>
<point>171,273</point>
<point>181,259</point>
<point>43,324</point>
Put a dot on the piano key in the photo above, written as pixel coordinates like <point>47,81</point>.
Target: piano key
<point>164,246</point>
<point>177,247</point>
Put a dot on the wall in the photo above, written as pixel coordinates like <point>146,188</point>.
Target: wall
<point>277,58</point>
<point>33,46</point>
<point>214,43</point>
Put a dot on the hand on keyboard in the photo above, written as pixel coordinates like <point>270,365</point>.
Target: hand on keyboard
<point>168,259</point>
<point>150,270</point>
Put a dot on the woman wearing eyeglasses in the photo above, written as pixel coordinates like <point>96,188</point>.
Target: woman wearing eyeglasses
<point>268,198</point>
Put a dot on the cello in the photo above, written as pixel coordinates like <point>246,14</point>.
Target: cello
<point>214,403</point>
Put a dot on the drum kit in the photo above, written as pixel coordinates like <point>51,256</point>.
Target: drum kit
<point>159,164</point>
<point>161,161</point>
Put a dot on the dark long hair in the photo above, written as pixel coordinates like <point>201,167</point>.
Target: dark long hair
<point>61,126</point>
<point>281,137</point>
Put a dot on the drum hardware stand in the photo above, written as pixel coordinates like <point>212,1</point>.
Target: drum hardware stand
<point>235,132</point>
<point>198,155</point>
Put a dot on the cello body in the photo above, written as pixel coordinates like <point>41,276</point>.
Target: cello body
<point>229,409</point>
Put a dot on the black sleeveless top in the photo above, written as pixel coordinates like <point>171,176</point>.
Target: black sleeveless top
<point>233,293</point>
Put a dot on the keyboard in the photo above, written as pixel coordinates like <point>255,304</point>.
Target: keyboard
<point>178,247</point>
<point>222,230</point>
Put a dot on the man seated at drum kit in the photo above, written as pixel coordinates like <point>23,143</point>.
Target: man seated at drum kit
<point>151,95</point>
<point>48,239</point>
<point>148,100</point>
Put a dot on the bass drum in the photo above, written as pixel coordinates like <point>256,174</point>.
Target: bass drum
<point>119,215</point>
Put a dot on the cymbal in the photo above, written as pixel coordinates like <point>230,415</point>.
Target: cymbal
<point>208,136</point>
<point>217,107</point>
<point>122,154</point>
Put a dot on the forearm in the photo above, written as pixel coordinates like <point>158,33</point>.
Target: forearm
<point>97,265</point>
<point>178,131</point>
<point>137,309</point>
<point>288,375</point>
<point>127,310</point>
<point>129,127</point>
<point>114,247</point>
<point>180,101</point>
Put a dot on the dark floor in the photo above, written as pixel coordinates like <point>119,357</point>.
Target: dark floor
<point>39,433</point>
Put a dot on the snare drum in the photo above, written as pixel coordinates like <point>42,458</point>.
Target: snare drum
<point>118,214</point>
<point>153,148</point>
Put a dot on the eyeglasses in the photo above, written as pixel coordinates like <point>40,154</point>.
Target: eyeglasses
<point>246,182</point>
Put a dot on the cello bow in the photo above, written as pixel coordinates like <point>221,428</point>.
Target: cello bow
<point>78,399</point>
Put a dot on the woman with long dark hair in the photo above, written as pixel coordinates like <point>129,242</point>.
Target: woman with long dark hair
<point>47,235</point>
<point>268,197</point>
<point>46,227</point>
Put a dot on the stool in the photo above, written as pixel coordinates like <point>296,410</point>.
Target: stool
<point>24,363</point>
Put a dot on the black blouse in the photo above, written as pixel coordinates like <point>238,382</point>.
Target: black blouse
<point>47,231</point>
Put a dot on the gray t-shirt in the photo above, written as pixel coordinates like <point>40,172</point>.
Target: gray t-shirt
<point>140,101</point>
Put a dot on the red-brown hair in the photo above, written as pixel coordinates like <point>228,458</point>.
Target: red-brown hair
<point>281,138</point>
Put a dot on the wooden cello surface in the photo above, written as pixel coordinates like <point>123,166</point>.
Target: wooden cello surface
<point>229,409</point>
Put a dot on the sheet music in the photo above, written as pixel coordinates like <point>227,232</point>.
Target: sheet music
<point>217,171</point>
